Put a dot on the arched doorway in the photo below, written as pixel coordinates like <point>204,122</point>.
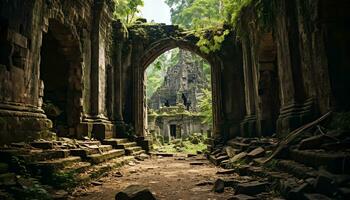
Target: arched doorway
<point>154,51</point>
<point>61,74</point>
<point>179,96</point>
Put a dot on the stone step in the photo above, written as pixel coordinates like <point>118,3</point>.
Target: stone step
<point>338,162</point>
<point>78,167</point>
<point>58,163</point>
<point>138,153</point>
<point>105,156</point>
<point>115,141</point>
<point>33,155</point>
<point>93,149</point>
<point>131,150</point>
<point>88,142</point>
<point>126,145</point>
<point>42,144</point>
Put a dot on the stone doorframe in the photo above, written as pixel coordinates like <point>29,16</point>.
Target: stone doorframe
<point>150,54</point>
<point>69,42</point>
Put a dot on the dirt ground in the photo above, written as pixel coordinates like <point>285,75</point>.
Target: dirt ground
<point>168,178</point>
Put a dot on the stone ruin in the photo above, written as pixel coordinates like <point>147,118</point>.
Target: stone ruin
<point>173,110</point>
<point>69,67</point>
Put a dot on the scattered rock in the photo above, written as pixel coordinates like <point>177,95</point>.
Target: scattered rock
<point>230,151</point>
<point>204,183</point>
<point>96,183</point>
<point>118,174</point>
<point>219,186</point>
<point>227,171</point>
<point>238,157</point>
<point>197,163</point>
<point>135,192</point>
<point>258,152</point>
<point>251,188</point>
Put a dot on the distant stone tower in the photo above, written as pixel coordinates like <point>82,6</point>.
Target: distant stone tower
<point>183,84</point>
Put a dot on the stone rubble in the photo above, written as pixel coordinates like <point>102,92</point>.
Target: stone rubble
<point>306,169</point>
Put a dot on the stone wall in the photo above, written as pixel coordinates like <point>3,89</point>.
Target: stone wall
<point>79,30</point>
<point>287,65</point>
<point>270,81</point>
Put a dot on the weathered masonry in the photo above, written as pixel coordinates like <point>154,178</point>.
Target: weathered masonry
<point>76,56</point>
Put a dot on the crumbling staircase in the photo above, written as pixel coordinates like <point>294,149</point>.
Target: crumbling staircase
<point>83,160</point>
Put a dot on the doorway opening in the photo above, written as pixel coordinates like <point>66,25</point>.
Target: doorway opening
<point>173,130</point>
<point>179,101</point>
<point>61,78</point>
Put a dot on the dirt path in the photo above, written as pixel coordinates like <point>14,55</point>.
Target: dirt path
<point>171,178</point>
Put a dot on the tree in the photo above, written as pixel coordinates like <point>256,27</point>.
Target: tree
<point>127,10</point>
<point>206,106</point>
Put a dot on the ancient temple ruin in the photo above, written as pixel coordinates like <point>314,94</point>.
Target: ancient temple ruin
<point>173,110</point>
<point>70,69</point>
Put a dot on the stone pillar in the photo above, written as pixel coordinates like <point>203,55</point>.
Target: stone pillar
<point>295,110</point>
<point>118,79</point>
<point>102,127</point>
<point>249,126</point>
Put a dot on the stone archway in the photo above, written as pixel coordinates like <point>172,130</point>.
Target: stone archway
<point>150,54</point>
<point>61,58</point>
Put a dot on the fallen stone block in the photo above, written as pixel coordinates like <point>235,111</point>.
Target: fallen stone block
<point>219,186</point>
<point>256,153</point>
<point>238,157</point>
<point>135,192</point>
<point>197,163</point>
<point>230,151</point>
<point>227,171</point>
<point>252,188</point>
<point>204,183</point>
<point>42,144</point>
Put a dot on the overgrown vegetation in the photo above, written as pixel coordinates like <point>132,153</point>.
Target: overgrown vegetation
<point>126,10</point>
<point>212,20</point>
<point>193,144</point>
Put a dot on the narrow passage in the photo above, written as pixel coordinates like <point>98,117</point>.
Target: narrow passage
<point>168,178</point>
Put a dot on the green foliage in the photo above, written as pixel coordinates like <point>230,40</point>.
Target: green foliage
<point>207,18</point>
<point>64,180</point>
<point>127,10</point>
<point>36,191</point>
<point>211,40</point>
<point>206,106</point>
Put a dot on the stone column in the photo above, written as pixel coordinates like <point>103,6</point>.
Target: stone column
<point>249,126</point>
<point>295,109</point>
<point>102,127</point>
<point>118,79</point>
